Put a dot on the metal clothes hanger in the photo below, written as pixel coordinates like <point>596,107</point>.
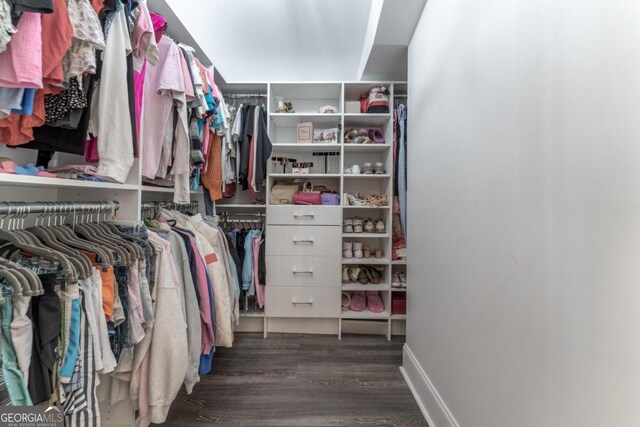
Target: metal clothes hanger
<point>11,237</point>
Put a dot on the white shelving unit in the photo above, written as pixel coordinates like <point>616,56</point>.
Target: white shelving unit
<point>306,99</point>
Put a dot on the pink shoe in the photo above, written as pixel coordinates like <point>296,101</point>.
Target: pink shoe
<point>358,301</point>
<point>374,302</point>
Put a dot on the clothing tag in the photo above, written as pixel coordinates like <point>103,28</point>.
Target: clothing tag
<point>211,258</point>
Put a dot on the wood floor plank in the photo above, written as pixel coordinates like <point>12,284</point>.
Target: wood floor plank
<point>302,380</point>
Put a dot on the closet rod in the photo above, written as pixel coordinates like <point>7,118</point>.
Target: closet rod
<point>246,95</point>
<point>399,96</point>
<point>23,208</point>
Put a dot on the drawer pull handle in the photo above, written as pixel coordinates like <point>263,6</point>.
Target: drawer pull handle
<point>294,302</point>
<point>295,241</point>
<point>304,215</point>
<point>302,272</point>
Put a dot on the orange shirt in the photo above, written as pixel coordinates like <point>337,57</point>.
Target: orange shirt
<point>212,177</point>
<point>57,32</point>
<point>108,287</point>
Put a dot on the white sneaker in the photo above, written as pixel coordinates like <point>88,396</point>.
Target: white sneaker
<point>395,280</point>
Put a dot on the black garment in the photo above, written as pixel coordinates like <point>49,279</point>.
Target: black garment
<point>44,311</point>
<point>132,101</point>
<point>57,107</point>
<point>240,238</point>
<point>35,6</point>
<point>378,109</point>
<point>263,149</point>
<point>50,138</point>
<point>234,254</point>
<point>192,258</point>
<point>245,146</point>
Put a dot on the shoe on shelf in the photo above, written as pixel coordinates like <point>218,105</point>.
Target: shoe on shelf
<point>377,252</point>
<point>369,226</point>
<point>376,136</point>
<point>352,200</point>
<point>367,168</point>
<point>380,227</point>
<point>348,171</point>
<point>357,225</point>
<point>354,273</point>
<point>362,278</point>
<point>347,226</point>
<point>358,301</point>
<point>403,280</point>
<point>355,170</point>
<point>395,280</point>
<point>366,252</point>
<point>345,274</point>
<point>369,273</point>
<point>350,135</point>
<point>347,250</point>
<point>346,301</point>
<point>378,168</point>
<point>374,302</point>
<point>357,250</point>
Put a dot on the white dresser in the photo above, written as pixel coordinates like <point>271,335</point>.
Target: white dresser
<point>303,255</point>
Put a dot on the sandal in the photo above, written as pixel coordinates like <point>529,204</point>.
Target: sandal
<point>377,277</point>
<point>350,135</point>
<point>352,200</point>
<point>378,169</point>
<point>362,278</point>
<point>377,252</point>
<point>403,280</point>
<point>347,226</point>
<point>380,227</point>
<point>374,302</point>
<point>369,273</point>
<point>369,226</point>
<point>345,275</point>
<point>357,224</point>
<point>357,250</point>
<point>354,272</point>
<point>346,301</point>
<point>367,252</point>
<point>367,168</point>
<point>347,250</point>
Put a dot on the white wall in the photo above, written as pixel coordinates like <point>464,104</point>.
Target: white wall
<point>524,305</point>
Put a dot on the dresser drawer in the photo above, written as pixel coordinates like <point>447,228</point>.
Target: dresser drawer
<point>304,215</point>
<point>304,240</point>
<point>303,271</point>
<point>302,301</point>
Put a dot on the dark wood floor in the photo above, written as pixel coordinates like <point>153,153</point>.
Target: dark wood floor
<point>302,380</point>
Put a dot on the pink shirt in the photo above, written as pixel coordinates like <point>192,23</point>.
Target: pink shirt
<point>208,335</point>
<point>161,82</point>
<point>21,63</point>
<point>188,83</point>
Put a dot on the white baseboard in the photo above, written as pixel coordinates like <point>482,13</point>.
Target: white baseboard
<point>433,408</point>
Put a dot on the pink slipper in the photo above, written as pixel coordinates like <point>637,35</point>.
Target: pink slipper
<point>374,302</point>
<point>376,136</point>
<point>358,301</point>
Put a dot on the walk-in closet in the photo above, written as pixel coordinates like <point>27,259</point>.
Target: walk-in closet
<point>319,213</point>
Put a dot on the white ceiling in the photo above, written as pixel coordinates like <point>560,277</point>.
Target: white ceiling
<point>291,40</point>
